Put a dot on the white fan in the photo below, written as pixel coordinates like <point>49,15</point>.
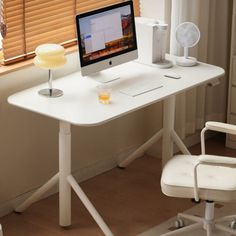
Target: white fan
<point>187,35</point>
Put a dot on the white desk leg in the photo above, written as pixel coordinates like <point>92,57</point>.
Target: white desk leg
<point>167,133</point>
<point>141,150</point>
<point>38,193</point>
<point>66,181</point>
<point>180,143</point>
<point>64,171</point>
<point>82,196</point>
<point>168,126</point>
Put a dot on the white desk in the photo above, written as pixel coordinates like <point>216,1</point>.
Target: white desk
<point>79,106</point>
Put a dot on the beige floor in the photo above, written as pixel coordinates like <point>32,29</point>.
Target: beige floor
<point>130,201</point>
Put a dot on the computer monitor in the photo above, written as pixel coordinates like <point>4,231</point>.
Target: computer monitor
<point>106,38</point>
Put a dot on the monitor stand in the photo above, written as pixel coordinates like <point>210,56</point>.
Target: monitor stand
<point>104,76</point>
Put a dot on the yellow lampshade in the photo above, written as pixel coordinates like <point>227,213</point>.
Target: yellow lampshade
<point>49,56</point>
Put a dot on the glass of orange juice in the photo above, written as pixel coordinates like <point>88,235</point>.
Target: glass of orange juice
<point>104,93</point>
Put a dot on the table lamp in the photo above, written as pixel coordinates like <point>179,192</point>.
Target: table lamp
<point>50,56</point>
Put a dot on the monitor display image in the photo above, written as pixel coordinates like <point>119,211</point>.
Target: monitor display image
<point>106,37</point>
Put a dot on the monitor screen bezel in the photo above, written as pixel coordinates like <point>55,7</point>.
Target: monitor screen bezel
<point>90,13</point>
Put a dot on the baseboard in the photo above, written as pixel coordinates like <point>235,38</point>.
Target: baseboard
<point>104,165</point>
<point>156,150</point>
<point>9,206</point>
<point>80,175</point>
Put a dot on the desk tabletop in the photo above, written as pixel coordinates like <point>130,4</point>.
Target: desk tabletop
<point>79,105</point>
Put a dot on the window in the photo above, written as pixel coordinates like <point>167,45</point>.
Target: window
<point>34,22</point>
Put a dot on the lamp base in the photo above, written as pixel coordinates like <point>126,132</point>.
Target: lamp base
<point>52,93</point>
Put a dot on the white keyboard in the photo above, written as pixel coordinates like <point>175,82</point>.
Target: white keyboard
<point>141,88</point>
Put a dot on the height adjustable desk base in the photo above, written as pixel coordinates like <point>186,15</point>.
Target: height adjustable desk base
<point>66,182</point>
<point>167,133</point>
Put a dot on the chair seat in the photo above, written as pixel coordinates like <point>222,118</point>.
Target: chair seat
<point>216,183</point>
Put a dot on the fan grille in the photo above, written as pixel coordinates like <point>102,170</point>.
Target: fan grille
<point>187,34</point>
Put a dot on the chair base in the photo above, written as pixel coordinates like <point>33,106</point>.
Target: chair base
<point>208,222</point>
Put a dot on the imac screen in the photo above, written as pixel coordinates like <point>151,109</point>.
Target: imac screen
<point>106,32</point>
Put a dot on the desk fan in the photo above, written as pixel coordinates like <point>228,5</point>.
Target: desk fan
<point>187,35</point>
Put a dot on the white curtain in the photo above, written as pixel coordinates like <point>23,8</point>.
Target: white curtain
<point>196,106</point>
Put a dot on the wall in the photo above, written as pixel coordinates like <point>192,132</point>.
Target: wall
<point>29,142</point>
<point>154,8</point>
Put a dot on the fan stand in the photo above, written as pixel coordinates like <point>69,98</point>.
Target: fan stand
<point>186,60</point>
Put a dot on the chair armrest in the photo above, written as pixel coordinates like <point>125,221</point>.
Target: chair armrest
<point>210,160</point>
<point>221,127</point>
<point>217,160</point>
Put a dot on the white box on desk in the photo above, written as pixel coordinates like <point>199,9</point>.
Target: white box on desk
<point>147,40</point>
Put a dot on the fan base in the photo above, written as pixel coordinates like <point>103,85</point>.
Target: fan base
<point>183,61</point>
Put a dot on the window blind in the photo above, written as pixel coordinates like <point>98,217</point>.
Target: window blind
<point>34,22</point>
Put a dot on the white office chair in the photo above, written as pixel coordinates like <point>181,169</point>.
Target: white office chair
<point>208,177</point>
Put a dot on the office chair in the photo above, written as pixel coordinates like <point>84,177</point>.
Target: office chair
<point>208,177</point>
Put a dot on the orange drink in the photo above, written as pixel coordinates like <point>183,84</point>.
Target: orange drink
<point>104,94</point>
<point>104,97</point>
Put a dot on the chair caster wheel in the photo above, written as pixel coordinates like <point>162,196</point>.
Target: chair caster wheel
<point>179,223</point>
<point>233,224</point>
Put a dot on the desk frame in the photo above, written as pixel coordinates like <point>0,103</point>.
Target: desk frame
<point>167,133</point>
<point>66,182</point>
